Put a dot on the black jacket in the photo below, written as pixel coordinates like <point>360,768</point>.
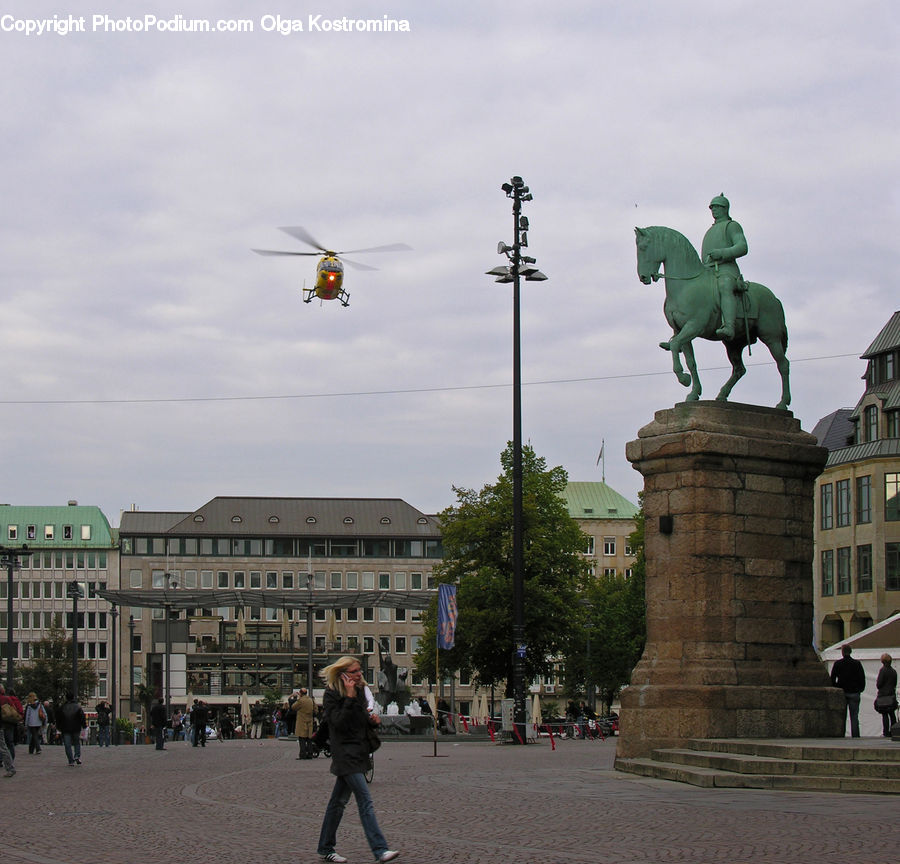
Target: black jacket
<point>71,718</point>
<point>849,675</point>
<point>347,721</point>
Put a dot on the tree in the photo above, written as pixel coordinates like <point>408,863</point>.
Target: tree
<point>477,542</point>
<point>49,674</point>
<point>614,629</point>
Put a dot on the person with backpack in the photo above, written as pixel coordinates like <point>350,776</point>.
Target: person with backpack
<point>71,721</point>
<point>8,705</point>
<point>35,717</point>
<point>11,715</point>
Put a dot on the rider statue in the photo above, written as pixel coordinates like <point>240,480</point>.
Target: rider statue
<point>722,244</point>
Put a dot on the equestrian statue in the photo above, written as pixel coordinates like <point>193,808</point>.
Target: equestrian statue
<point>708,298</point>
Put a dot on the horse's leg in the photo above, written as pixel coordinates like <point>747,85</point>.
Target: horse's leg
<point>735,351</point>
<point>681,343</point>
<point>777,349</point>
<point>696,390</point>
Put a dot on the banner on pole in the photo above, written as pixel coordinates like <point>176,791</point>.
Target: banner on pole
<point>446,616</point>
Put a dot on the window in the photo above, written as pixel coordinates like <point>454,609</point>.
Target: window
<point>609,545</point>
<point>609,571</point>
<point>12,532</point>
<point>352,581</point>
<point>400,614</point>
<point>190,578</point>
<point>368,581</point>
<point>287,579</point>
<point>826,507</point>
<point>892,566</point>
<point>271,579</point>
<point>222,579</point>
<point>628,550</point>
<point>589,546</point>
<point>31,532</point>
<point>255,579</point>
<point>353,614</point>
<point>368,613</point>
<point>864,568</point>
<point>206,578</point>
<point>415,581</point>
<point>863,499</point>
<point>135,578</point>
<point>239,577</point>
<point>136,648</point>
<point>48,532</point>
<point>337,579</point>
<point>892,424</point>
<point>871,423</point>
<point>828,573</point>
<point>67,532</point>
<point>368,644</point>
<point>399,644</point>
<point>842,490</point>
<point>892,497</point>
<point>384,581</point>
<point>384,613</point>
<point>844,585</point>
<point>399,581</point>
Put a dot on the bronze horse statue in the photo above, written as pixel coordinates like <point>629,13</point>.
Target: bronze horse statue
<point>692,310</point>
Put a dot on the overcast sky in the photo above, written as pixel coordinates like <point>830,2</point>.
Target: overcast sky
<point>151,359</point>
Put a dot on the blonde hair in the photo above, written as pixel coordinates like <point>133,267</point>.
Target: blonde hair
<point>31,697</point>
<point>886,658</point>
<point>332,674</point>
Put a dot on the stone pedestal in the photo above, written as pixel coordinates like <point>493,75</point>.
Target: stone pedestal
<point>728,502</point>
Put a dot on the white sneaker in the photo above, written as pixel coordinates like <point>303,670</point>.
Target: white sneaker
<point>388,856</point>
<point>333,856</point>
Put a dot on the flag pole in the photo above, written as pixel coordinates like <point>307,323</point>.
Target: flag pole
<point>437,682</point>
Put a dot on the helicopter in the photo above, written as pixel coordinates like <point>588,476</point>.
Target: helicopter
<point>330,269</point>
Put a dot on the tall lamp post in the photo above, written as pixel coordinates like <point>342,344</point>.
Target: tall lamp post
<point>309,632</point>
<point>114,612</point>
<point>170,584</point>
<point>73,590</point>
<point>10,558</point>
<point>131,664</point>
<point>520,266</point>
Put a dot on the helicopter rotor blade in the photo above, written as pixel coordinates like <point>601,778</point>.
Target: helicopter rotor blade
<point>391,247</point>
<point>357,266</point>
<point>301,234</point>
<point>276,252</point>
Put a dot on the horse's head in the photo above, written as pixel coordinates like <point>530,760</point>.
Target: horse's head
<point>649,256</point>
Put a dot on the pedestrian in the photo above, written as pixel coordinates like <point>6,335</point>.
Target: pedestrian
<point>351,729</point>
<point>158,722</point>
<point>886,698</point>
<point>177,725</point>
<point>304,709</point>
<point>70,721</point>
<point>7,707</point>
<point>34,722</point>
<point>11,715</point>
<point>49,735</point>
<point>849,675</point>
<point>199,719</point>
<point>257,717</point>
<point>104,713</point>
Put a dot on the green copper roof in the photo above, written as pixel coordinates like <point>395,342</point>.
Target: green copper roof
<point>73,526</point>
<point>592,500</point>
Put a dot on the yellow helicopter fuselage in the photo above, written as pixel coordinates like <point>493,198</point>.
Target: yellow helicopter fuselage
<point>329,279</point>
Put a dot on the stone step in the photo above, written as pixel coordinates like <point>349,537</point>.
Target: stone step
<point>711,778</point>
<point>744,763</point>
<point>844,749</point>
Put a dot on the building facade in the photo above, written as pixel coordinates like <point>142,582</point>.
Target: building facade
<point>857,508</point>
<point>64,544</point>
<point>250,595</point>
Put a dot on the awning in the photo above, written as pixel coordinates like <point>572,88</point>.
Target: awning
<point>191,598</point>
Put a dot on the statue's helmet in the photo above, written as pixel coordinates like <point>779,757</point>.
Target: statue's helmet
<point>721,201</point>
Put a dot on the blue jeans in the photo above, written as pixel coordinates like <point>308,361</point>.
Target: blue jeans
<point>34,738</point>
<point>354,784</point>
<point>72,743</point>
<point>103,736</point>
<point>853,711</point>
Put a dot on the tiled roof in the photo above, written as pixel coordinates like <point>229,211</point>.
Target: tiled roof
<point>886,340</point>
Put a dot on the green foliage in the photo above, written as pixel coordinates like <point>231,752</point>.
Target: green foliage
<point>613,621</point>
<point>477,540</point>
<point>49,673</point>
<point>124,725</point>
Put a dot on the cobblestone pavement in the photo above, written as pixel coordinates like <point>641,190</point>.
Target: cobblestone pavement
<point>245,802</point>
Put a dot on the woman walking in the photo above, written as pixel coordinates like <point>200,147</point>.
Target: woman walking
<point>344,710</point>
<point>886,699</point>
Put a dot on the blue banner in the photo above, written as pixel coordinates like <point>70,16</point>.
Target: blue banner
<point>446,616</point>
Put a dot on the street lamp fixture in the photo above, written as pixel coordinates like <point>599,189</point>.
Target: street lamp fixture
<point>75,593</point>
<point>10,559</point>
<point>519,267</point>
